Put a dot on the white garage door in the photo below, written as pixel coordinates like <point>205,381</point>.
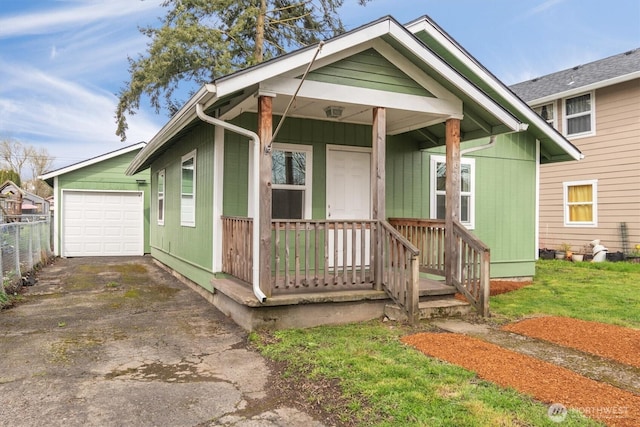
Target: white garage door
<point>96,223</point>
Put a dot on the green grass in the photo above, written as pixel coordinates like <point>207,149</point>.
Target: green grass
<point>385,383</point>
<point>606,292</point>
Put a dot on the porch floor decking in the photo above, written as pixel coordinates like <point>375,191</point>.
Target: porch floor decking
<point>242,293</point>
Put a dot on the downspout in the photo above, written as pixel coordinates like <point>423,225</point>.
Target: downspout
<point>491,143</point>
<point>255,139</point>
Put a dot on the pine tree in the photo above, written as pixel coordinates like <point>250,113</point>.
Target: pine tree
<point>201,40</point>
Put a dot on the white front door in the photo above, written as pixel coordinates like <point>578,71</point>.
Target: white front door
<point>348,197</point>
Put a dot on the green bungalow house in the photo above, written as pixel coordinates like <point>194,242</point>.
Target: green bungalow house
<point>312,188</point>
<point>98,209</point>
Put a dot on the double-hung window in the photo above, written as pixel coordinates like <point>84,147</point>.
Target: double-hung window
<point>467,190</point>
<point>581,203</point>
<point>291,181</point>
<point>579,115</point>
<point>188,190</point>
<point>547,112</point>
<point>160,197</point>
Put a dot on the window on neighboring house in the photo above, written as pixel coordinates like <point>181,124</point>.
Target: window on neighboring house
<point>188,190</point>
<point>291,181</point>
<point>547,112</point>
<point>579,115</point>
<point>580,203</point>
<point>467,190</point>
<point>160,196</point>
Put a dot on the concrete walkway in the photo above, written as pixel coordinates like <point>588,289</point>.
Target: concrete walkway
<point>119,342</point>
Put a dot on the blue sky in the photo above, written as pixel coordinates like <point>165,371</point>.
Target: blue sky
<point>62,62</point>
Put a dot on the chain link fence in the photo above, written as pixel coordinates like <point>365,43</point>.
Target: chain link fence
<point>23,247</point>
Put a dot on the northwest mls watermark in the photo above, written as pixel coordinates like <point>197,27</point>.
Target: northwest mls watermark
<point>557,412</point>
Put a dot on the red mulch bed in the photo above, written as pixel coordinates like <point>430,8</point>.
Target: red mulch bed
<point>609,341</point>
<point>544,381</point>
<point>500,287</point>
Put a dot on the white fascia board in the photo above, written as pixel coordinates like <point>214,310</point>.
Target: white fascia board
<point>206,95</point>
<point>498,87</point>
<point>411,43</point>
<point>372,97</point>
<point>585,88</point>
<point>92,161</point>
<point>278,66</point>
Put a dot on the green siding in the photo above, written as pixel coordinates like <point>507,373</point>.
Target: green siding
<point>187,249</point>
<point>368,69</point>
<point>108,175</point>
<point>505,202</point>
<point>505,190</point>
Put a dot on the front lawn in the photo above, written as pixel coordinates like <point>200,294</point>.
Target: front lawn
<point>606,292</point>
<point>362,375</point>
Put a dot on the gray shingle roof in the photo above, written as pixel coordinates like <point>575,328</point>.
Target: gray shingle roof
<point>581,75</point>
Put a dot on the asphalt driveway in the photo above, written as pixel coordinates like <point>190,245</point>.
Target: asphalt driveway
<point>120,342</point>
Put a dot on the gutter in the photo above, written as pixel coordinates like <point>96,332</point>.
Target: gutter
<point>491,143</point>
<point>255,139</point>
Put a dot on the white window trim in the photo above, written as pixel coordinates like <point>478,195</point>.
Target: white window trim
<point>162,174</point>
<point>183,221</point>
<point>592,113</point>
<point>565,203</point>
<point>470,225</point>
<point>308,175</point>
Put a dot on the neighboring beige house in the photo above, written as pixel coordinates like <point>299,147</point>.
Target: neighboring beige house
<point>597,107</point>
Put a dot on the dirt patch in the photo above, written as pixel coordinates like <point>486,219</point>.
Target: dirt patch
<point>608,341</point>
<point>544,381</point>
<point>501,287</point>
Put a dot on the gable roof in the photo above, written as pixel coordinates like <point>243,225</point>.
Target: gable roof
<point>553,145</point>
<point>581,78</point>
<point>455,92</point>
<point>24,193</point>
<point>84,163</point>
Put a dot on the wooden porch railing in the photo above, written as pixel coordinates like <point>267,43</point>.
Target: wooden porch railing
<point>428,236</point>
<point>329,255</point>
<point>341,255</point>
<point>237,254</point>
<point>322,253</point>
<point>470,274</point>
<point>400,274</point>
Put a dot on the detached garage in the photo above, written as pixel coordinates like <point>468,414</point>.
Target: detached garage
<point>102,223</point>
<point>99,211</point>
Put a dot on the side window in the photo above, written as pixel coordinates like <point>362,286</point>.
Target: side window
<point>581,203</point>
<point>291,181</point>
<point>548,113</point>
<point>188,190</point>
<point>579,119</point>
<point>160,197</point>
<point>467,190</point>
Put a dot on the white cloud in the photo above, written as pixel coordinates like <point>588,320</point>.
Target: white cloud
<point>44,110</point>
<point>57,19</point>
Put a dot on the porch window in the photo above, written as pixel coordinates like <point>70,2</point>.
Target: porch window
<point>188,190</point>
<point>547,112</point>
<point>291,181</point>
<point>579,115</point>
<point>580,203</point>
<point>467,190</point>
<point>160,197</point>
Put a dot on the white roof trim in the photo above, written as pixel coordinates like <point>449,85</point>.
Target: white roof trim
<point>586,88</point>
<point>92,161</point>
<point>331,50</point>
<point>424,24</point>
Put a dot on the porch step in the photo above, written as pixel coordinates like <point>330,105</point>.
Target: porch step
<point>431,287</point>
<point>433,308</point>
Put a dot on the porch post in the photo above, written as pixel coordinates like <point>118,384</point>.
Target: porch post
<point>378,190</point>
<point>452,200</point>
<point>265,131</point>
